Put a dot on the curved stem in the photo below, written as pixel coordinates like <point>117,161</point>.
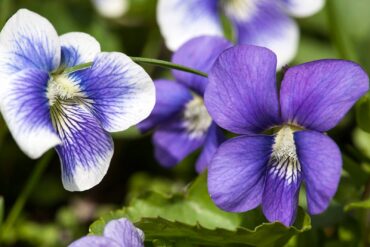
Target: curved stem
<point>27,190</point>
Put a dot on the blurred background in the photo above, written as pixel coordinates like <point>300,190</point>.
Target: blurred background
<point>55,217</point>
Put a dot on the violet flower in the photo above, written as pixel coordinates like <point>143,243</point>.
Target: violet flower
<point>117,233</point>
<point>46,106</point>
<point>256,168</point>
<point>181,121</point>
<point>264,23</point>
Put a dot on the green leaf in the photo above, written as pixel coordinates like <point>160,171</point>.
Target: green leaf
<point>358,205</point>
<point>1,210</point>
<point>361,139</point>
<point>191,218</point>
<point>363,113</point>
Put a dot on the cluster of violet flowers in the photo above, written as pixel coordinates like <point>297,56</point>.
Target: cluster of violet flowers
<point>63,92</point>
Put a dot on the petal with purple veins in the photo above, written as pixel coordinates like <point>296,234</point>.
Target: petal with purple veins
<point>94,241</point>
<point>125,233</point>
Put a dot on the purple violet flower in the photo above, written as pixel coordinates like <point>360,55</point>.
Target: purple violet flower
<point>265,23</point>
<point>256,168</point>
<point>181,121</point>
<point>44,106</point>
<point>117,233</point>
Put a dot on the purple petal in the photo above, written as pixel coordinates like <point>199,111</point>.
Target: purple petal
<point>173,142</point>
<point>268,26</point>
<point>236,174</point>
<point>94,241</point>
<point>28,41</point>
<point>86,148</point>
<point>303,8</point>
<point>171,98</point>
<point>180,21</point>
<point>199,53</point>
<point>123,94</point>
<point>280,196</point>
<point>78,48</point>
<point>26,111</point>
<point>213,140</point>
<point>321,164</point>
<point>318,94</point>
<point>124,233</point>
<point>242,96</point>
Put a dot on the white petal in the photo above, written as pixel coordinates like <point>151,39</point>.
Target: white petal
<point>180,20</point>
<point>303,8</point>
<point>111,8</point>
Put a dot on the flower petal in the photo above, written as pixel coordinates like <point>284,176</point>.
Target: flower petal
<point>25,108</point>
<point>86,148</point>
<point>123,94</point>
<point>78,48</point>
<point>171,98</point>
<point>303,8</point>
<point>236,174</point>
<point>321,164</point>
<point>318,94</point>
<point>269,27</point>
<point>124,233</point>
<point>213,140</point>
<point>180,21</point>
<point>199,53</point>
<point>28,41</point>
<point>172,142</point>
<point>242,96</point>
<point>280,196</point>
<point>94,241</point>
<point>111,8</point>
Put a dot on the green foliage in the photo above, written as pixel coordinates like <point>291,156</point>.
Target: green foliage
<point>1,210</point>
<point>363,113</point>
<point>358,205</point>
<point>192,217</point>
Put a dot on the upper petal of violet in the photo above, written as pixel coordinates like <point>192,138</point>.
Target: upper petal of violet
<point>199,53</point>
<point>317,95</point>
<point>303,8</point>
<point>125,233</point>
<point>94,241</point>
<point>28,41</point>
<point>241,95</point>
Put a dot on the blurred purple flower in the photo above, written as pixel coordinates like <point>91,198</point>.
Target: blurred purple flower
<point>45,106</point>
<point>181,121</point>
<point>117,233</point>
<point>257,22</point>
<point>256,168</point>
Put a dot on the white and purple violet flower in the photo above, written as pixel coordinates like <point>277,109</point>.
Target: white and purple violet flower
<point>180,120</point>
<point>256,168</point>
<point>117,233</point>
<point>265,23</point>
<point>45,106</point>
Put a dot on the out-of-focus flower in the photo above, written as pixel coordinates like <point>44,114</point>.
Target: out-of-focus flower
<point>111,8</point>
<point>257,22</point>
<point>256,168</point>
<point>181,121</point>
<point>45,106</point>
<point>117,233</point>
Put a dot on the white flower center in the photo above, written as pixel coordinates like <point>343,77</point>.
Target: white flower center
<point>196,118</point>
<point>284,160</point>
<point>61,87</point>
<point>241,10</point>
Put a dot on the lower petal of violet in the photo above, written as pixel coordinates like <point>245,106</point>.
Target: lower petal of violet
<point>125,233</point>
<point>236,174</point>
<point>321,162</point>
<point>95,241</point>
<point>86,148</point>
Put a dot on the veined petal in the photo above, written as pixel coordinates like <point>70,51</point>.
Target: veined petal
<point>236,175</point>
<point>171,98</point>
<point>124,233</point>
<point>111,8</point>
<point>318,94</point>
<point>173,142</point>
<point>199,53</point>
<point>180,21</point>
<point>303,8</point>
<point>94,241</point>
<point>28,41</point>
<point>321,164</point>
<point>241,95</point>
<point>123,94</point>
<point>86,149</point>
<point>213,140</point>
<point>269,27</point>
<point>78,48</point>
<point>25,109</point>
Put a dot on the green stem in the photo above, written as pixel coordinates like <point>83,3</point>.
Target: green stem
<point>27,190</point>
